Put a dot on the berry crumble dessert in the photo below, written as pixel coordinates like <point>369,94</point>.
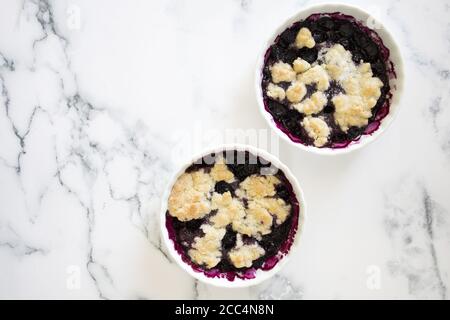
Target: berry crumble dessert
<point>325,80</point>
<point>232,213</point>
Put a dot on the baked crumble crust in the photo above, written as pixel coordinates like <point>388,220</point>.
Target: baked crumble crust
<point>243,255</point>
<point>189,198</point>
<point>304,38</point>
<point>206,250</point>
<point>257,186</point>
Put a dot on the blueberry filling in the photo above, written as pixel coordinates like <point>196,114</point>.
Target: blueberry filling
<point>222,187</point>
<point>364,45</point>
<point>229,240</point>
<point>283,192</point>
<point>272,244</point>
<point>187,231</point>
<point>244,164</point>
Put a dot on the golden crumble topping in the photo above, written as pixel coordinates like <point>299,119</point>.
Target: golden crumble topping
<point>312,105</point>
<point>220,171</point>
<point>300,65</point>
<point>256,222</point>
<point>276,92</point>
<point>362,90</point>
<point>316,129</point>
<point>304,38</point>
<point>296,91</point>
<point>228,209</point>
<point>260,186</point>
<point>282,72</point>
<point>350,111</point>
<point>338,62</point>
<point>243,255</point>
<point>189,197</point>
<point>201,181</point>
<point>277,207</point>
<point>318,75</point>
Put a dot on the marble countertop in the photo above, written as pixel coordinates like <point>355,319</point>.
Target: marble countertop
<point>101,101</point>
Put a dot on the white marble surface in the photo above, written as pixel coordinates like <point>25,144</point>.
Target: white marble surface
<point>100,100</point>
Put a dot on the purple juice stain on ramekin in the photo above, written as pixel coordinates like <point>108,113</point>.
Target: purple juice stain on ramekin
<point>249,273</point>
<point>382,112</point>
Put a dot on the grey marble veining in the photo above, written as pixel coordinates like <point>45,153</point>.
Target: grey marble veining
<point>98,100</point>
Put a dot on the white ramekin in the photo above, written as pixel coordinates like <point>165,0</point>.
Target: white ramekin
<point>396,84</point>
<point>260,274</point>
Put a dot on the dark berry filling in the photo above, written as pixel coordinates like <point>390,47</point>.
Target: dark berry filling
<point>222,187</point>
<point>363,43</point>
